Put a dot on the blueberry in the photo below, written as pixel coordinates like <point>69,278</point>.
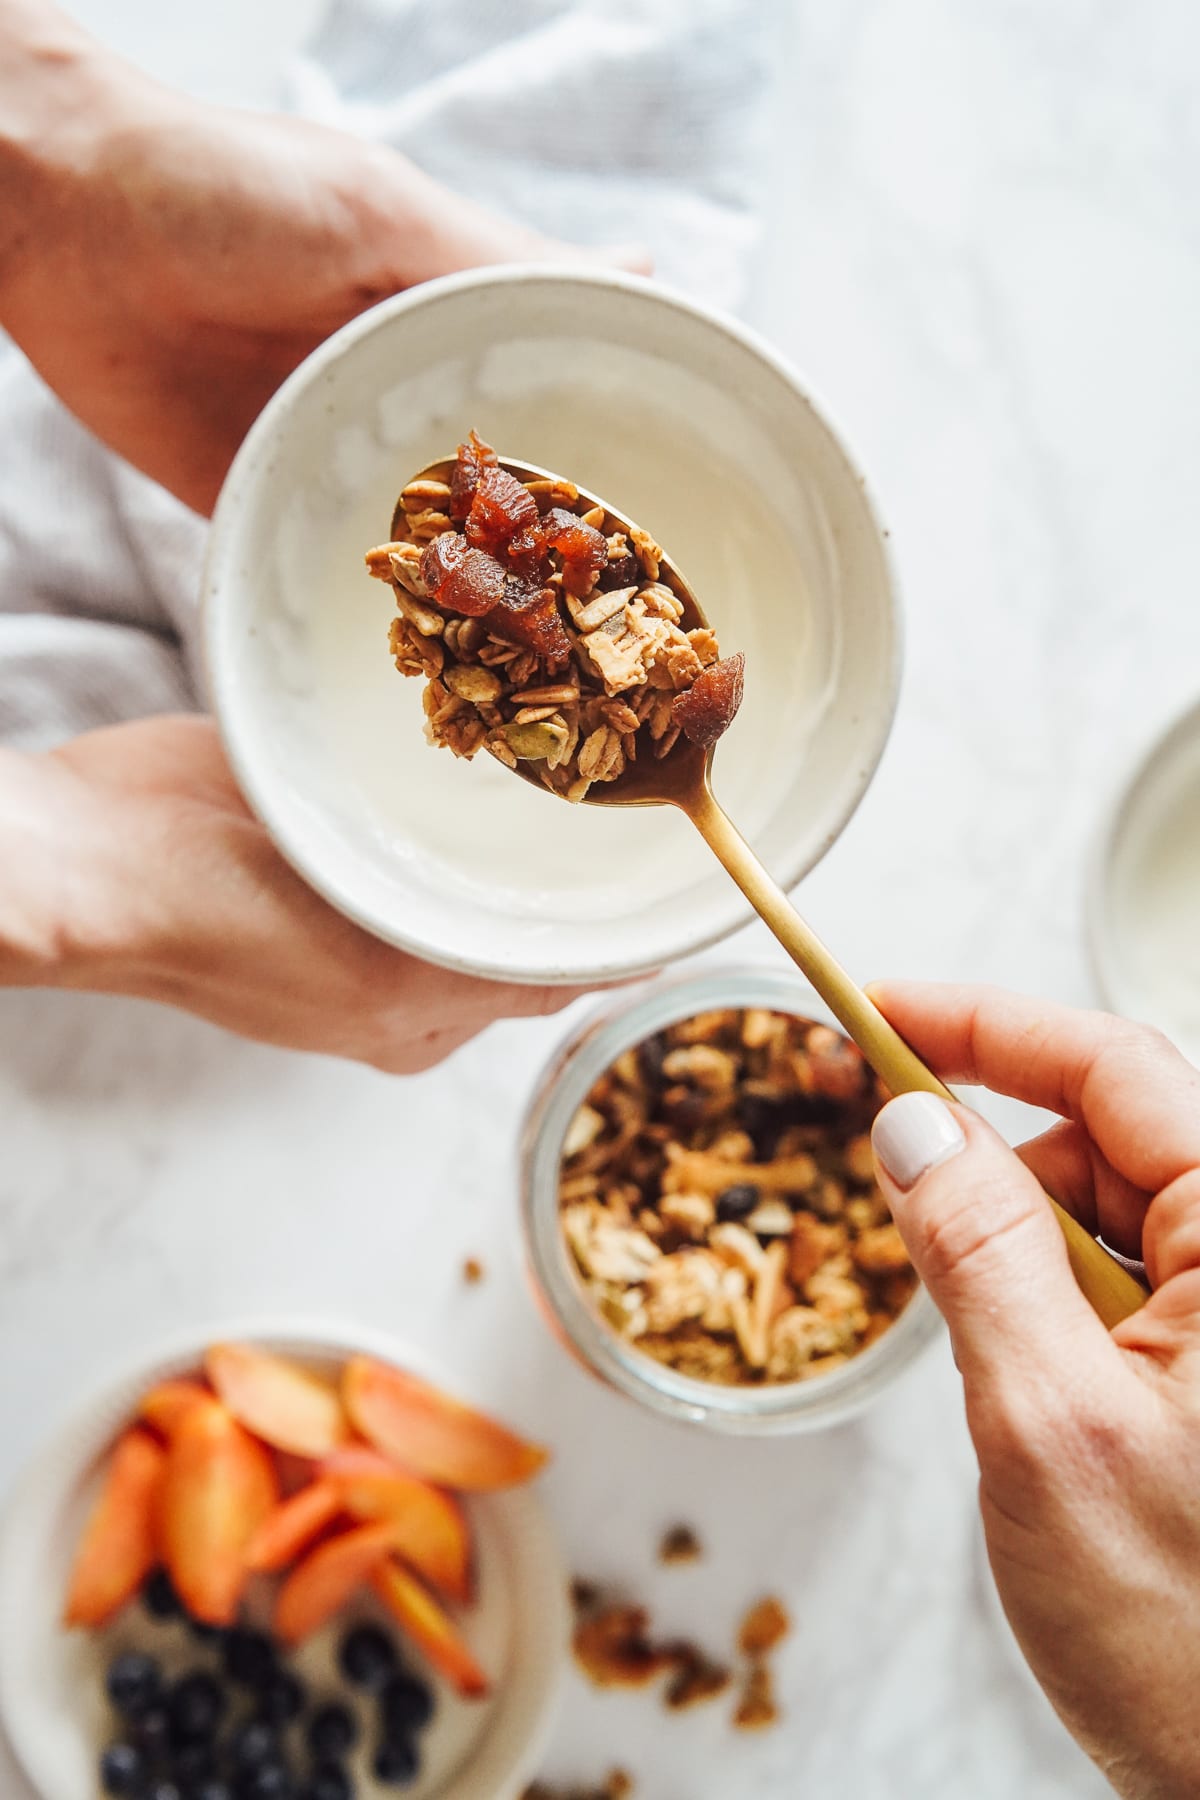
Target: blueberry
<point>738,1201</point>
<point>396,1762</point>
<point>122,1769</point>
<point>159,1596</point>
<point>406,1704</point>
<point>164,1790</point>
<point>197,1706</point>
<point>281,1697</point>
<point>193,1762</point>
<point>213,1790</point>
<point>154,1732</point>
<point>329,1781</point>
<point>332,1732</point>
<point>367,1658</point>
<point>134,1684</point>
<point>253,1745</point>
<point>249,1658</point>
<point>270,1781</point>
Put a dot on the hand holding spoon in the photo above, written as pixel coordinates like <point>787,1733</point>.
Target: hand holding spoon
<point>683,778</point>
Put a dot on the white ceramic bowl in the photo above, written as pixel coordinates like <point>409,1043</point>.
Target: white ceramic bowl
<point>51,1680</point>
<point>1144,889</point>
<point>685,422</point>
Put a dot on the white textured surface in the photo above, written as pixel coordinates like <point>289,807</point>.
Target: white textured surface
<point>985,251</point>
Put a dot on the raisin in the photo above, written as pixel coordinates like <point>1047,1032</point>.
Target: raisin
<point>473,457</point>
<point>709,707</point>
<point>738,1201</point>
<point>621,571</point>
<point>500,509</point>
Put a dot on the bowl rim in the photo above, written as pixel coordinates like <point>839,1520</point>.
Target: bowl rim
<point>259,783</point>
<point>1107,946</point>
<point>590,1044</point>
<point>66,1455</point>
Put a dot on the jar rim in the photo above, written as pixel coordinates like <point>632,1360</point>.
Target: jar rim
<point>593,1043</point>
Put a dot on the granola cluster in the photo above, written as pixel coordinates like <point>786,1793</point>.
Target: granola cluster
<point>544,633</point>
<point>718,1196</point>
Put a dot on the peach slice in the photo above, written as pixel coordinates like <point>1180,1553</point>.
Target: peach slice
<point>433,1435</point>
<point>219,1486</point>
<point>118,1548</point>
<point>167,1404</point>
<point>292,1526</point>
<point>431,1528</point>
<point>419,1615</point>
<point>287,1406</point>
<point>320,1586</point>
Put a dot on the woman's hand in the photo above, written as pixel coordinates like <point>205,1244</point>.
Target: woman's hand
<point>165,264</point>
<point>133,866</point>
<point>1088,1442</point>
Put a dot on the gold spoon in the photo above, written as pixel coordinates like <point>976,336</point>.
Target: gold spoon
<point>683,779</point>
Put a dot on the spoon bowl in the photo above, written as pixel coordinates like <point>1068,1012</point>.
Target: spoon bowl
<point>646,783</point>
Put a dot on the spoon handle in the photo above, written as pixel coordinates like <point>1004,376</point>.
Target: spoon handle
<point>1112,1291</point>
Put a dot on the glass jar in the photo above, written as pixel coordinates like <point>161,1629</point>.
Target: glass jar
<point>596,1042</point>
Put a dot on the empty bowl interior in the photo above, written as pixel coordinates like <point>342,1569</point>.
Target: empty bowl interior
<point>681,424</point>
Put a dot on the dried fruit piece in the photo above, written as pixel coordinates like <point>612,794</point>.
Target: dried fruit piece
<point>419,1615</point>
<point>287,1406</point>
<point>462,579</point>
<point>473,458</point>
<point>708,708</point>
<point>500,508</point>
<point>529,618</point>
<point>432,1434</point>
<point>167,1404</point>
<point>431,1527</point>
<point>292,1526</point>
<point>118,1548</point>
<point>320,1586</point>
<point>584,550</point>
<point>218,1487</point>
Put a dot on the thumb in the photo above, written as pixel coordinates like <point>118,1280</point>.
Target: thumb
<point>982,1237</point>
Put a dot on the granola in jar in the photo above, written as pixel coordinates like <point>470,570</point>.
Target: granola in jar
<point>544,633</point>
<point>718,1198</point>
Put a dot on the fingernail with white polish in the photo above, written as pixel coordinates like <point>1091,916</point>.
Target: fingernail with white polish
<point>913,1134</point>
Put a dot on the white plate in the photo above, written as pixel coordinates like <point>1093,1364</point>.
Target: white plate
<point>1144,890</point>
<point>683,421</point>
<point>51,1698</point>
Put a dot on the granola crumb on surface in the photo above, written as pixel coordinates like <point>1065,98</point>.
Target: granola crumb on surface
<point>680,1545</point>
<point>473,1271</point>
<point>756,1709</point>
<point>764,1627</point>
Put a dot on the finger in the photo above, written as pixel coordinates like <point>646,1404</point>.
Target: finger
<point>984,1241</point>
<point>1172,1232</point>
<point>1068,1165</point>
<point>1138,1097</point>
